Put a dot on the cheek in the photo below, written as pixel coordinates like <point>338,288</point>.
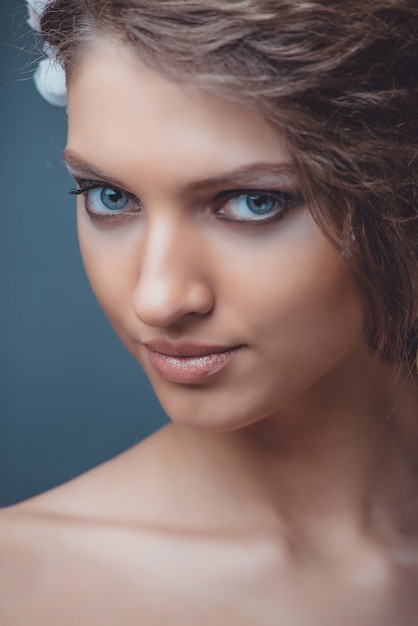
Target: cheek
<point>109,259</point>
<point>298,297</point>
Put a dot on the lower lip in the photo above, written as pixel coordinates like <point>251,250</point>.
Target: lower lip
<point>189,369</point>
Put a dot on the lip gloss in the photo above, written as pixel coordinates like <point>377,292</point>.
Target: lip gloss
<point>189,369</point>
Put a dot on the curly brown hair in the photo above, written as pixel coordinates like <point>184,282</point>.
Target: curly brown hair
<point>337,78</point>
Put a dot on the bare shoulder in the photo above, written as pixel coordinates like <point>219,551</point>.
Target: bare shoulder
<point>61,570</point>
<point>27,542</point>
<point>102,548</point>
<point>83,541</point>
<point>23,535</point>
<point>58,569</point>
<point>112,491</point>
<point>106,547</point>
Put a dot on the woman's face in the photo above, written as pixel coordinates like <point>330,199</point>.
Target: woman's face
<point>199,247</point>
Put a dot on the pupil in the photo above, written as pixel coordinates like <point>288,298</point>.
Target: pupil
<point>260,204</point>
<point>113,199</point>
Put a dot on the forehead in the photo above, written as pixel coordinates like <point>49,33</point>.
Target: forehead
<point>120,110</point>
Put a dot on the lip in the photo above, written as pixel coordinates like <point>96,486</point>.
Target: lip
<point>188,362</point>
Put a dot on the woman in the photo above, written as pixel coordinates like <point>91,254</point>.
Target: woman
<point>246,197</point>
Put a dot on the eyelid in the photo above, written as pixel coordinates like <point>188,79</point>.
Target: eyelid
<point>235,193</point>
<point>85,185</point>
<point>294,200</point>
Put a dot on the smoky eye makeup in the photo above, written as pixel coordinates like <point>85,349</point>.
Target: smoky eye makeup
<point>244,207</point>
<point>265,193</point>
<point>103,200</point>
<point>256,206</point>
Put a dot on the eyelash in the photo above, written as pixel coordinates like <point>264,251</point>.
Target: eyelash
<point>286,200</point>
<point>84,186</point>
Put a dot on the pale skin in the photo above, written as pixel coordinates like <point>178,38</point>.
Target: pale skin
<point>284,492</point>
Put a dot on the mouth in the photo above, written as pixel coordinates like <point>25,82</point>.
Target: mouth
<point>187,362</point>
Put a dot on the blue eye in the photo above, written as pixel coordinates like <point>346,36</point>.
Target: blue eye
<point>259,204</point>
<point>102,201</point>
<point>256,207</point>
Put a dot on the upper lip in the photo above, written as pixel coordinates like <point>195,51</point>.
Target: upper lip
<point>183,349</point>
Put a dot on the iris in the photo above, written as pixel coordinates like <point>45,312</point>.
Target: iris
<point>260,203</point>
<point>112,199</point>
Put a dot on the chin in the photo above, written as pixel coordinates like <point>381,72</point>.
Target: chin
<point>205,409</point>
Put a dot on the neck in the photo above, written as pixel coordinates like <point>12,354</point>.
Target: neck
<point>340,460</point>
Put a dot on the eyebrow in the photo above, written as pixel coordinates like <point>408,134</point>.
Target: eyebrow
<point>258,174</point>
<point>77,165</point>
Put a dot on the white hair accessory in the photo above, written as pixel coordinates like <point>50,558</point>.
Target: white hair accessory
<point>50,82</point>
<point>50,76</point>
<point>35,10</point>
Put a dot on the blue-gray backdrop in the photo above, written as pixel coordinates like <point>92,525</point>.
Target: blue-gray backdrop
<point>70,395</point>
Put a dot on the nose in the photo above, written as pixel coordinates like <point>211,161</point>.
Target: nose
<point>173,279</point>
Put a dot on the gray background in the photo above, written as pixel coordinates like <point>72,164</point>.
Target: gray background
<point>70,395</point>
